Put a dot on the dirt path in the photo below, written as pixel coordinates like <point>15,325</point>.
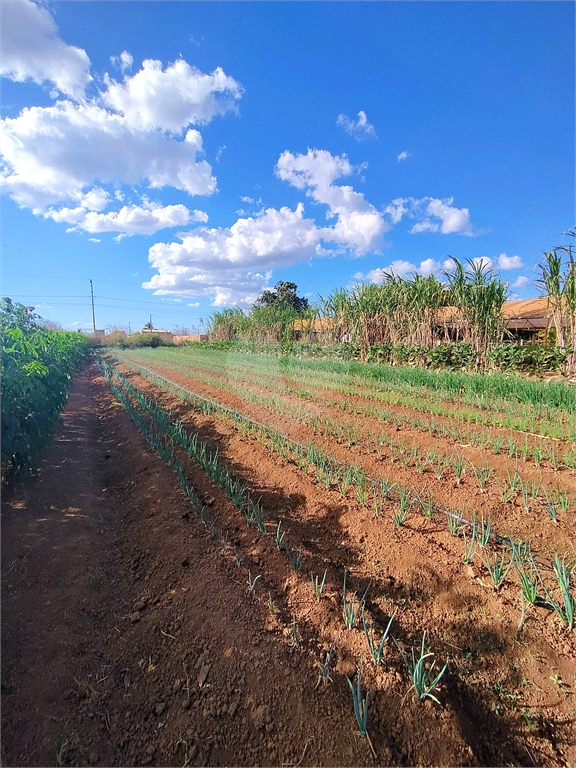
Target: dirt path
<point>128,638</point>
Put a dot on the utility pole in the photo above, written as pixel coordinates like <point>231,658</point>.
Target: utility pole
<point>93,314</point>
<point>150,322</point>
<point>129,330</point>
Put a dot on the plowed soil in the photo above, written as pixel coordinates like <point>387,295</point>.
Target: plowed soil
<point>129,636</point>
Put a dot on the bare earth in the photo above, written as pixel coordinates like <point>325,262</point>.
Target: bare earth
<point>129,637</point>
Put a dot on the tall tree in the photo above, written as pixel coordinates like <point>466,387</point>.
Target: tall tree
<point>283,295</point>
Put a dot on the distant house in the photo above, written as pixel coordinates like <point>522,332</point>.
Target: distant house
<point>527,319</point>
<point>314,331</point>
<point>182,338</point>
<point>164,335</point>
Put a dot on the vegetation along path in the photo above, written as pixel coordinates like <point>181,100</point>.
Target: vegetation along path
<point>142,629</point>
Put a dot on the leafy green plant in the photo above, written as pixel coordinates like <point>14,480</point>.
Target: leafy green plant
<point>376,650</point>
<point>360,704</point>
<point>497,569</point>
<point>563,576</point>
<point>295,558</point>
<point>469,547</point>
<point>318,586</point>
<point>350,610</point>
<point>423,681</point>
<point>252,583</point>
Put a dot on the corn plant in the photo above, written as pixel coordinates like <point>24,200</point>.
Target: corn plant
<point>422,676</point>
<point>376,651</point>
<point>497,569</point>
<point>360,704</point>
<point>318,586</point>
<point>349,609</point>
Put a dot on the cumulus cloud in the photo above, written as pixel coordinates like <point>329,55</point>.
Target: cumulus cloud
<point>171,99</point>
<point>433,215</point>
<point>129,220</point>
<point>402,268</point>
<point>33,50</point>
<point>509,262</point>
<point>360,128</point>
<point>133,132</point>
<point>520,282</point>
<point>403,156</point>
<point>234,264</point>
<point>359,226</point>
<point>53,153</point>
<point>123,62</point>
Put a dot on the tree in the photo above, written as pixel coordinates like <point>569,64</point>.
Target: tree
<point>284,295</point>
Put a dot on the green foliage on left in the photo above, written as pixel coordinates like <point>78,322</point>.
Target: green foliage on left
<point>37,368</point>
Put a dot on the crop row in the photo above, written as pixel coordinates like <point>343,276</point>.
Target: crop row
<point>165,435</point>
<point>554,402</point>
<point>510,486</point>
<point>37,369</point>
<point>347,479</point>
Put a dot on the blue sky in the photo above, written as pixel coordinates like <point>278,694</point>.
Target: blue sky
<point>187,155</point>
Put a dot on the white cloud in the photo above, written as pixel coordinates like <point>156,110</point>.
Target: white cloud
<point>405,268</point>
<point>359,226</point>
<point>51,154</point>
<point>403,156</point>
<point>193,304</point>
<point>509,262</point>
<point>33,50</point>
<point>94,240</point>
<point>123,62</point>
<point>129,220</point>
<point>171,99</point>
<point>233,265</point>
<point>219,153</point>
<point>520,282</point>
<point>246,199</point>
<point>360,128</point>
<point>449,220</point>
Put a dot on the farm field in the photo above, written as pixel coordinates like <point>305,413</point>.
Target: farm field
<point>440,511</point>
<point>221,550</point>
